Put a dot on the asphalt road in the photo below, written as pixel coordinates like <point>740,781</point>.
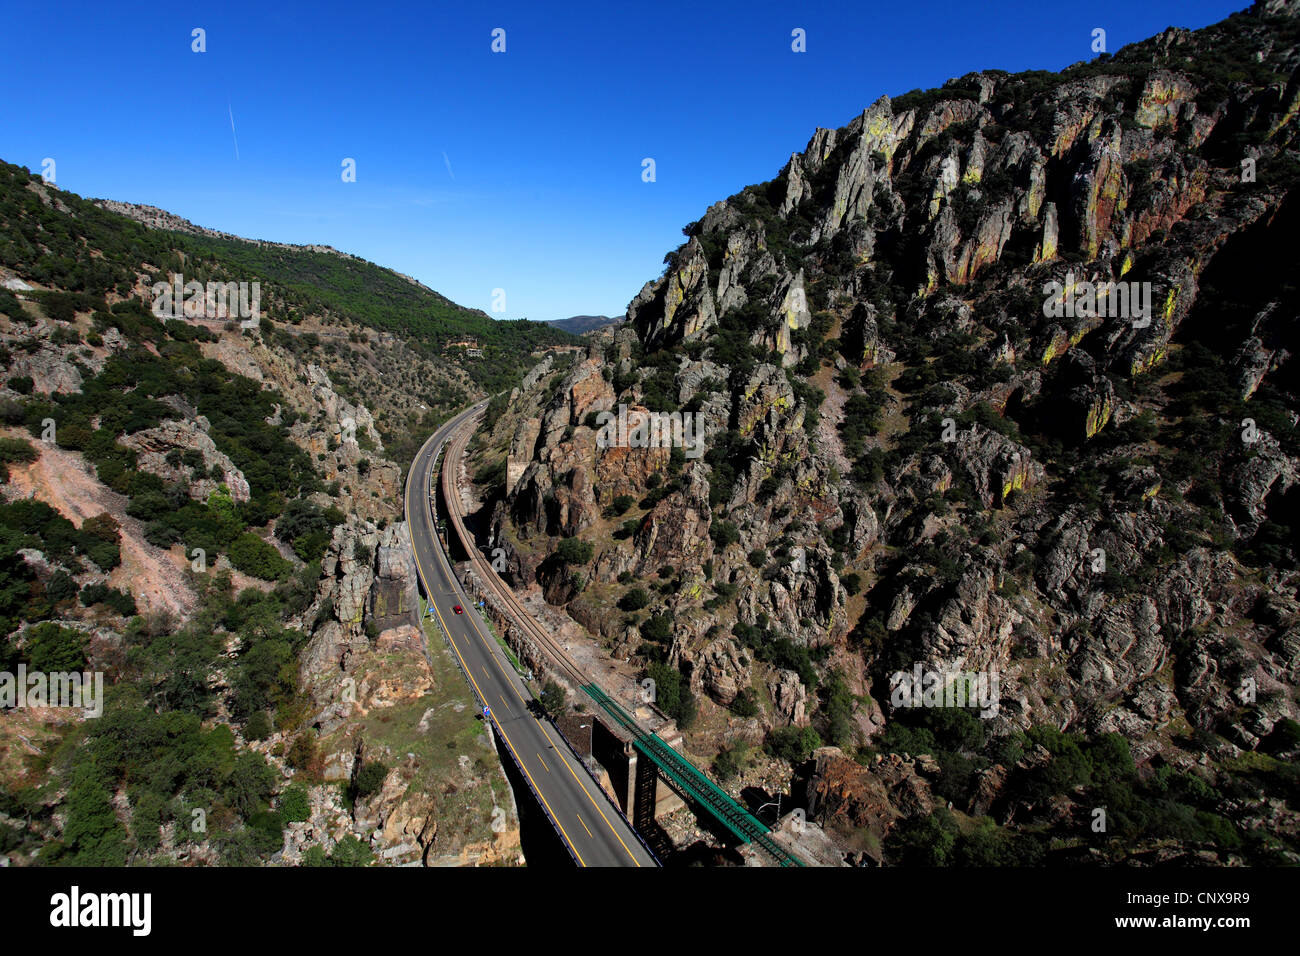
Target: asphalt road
<point>589,824</point>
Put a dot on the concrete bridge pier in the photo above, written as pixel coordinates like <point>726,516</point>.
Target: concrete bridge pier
<point>644,792</point>
<point>634,778</point>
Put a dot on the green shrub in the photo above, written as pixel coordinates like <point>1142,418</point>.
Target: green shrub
<point>15,449</point>
<point>672,693</point>
<point>574,551</point>
<point>793,744</point>
<point>729,762</point>
<point>252,555</point>
<point>50,647</point>
<point>553,700</point>
<point>724,534</point>
<point>658,628</point>
<point>294,804</point>
<point>369,778</point>
<point>744,705</point>
<point>258,726</point>
<point>634,600</point>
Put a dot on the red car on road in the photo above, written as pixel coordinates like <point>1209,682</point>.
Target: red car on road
<point>458,609</point>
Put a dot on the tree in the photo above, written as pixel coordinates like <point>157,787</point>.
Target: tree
<point>302,752</point>
<point>50,647</point>
<point>304,527</point>
<point>574,551</point>
<point>793,744</point>
<point>370,778</point>
<point>258,726</point>
<point>102,526</point>
<point>15,449</point>
<point>92,833</point>
<point>251,783</point>
<point>658,628</point>
<point>315,855</point>
<point>672,693</point>
<point>553,699</point>
<point>724,534</point>
<point>634,600</point>
<point>744,705</point>
<point>350,851</point>
<point>730,762</point>
<point>924,841</point>
<point>266,674</point>
<point>252,555</point>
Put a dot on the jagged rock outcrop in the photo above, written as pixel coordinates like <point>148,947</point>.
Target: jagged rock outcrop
<point>167,451</point>
<point>994,378</point>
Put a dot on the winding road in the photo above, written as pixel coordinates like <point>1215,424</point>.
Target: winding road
<point>591,827</point>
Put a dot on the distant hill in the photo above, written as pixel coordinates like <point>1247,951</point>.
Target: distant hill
<point>47,230</point>
<point>578,324</point>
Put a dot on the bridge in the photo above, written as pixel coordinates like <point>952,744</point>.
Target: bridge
<point>634,757</point>
<point>689,782</point>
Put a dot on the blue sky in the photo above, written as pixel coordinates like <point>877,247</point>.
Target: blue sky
<point>477,170</point>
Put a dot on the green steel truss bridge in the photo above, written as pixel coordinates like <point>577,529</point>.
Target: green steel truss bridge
<point>692,785</point>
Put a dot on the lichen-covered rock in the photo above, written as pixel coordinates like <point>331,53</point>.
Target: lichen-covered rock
<point>165,450</point>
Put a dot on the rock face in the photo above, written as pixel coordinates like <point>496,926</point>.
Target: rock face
<point>394,594</point>
<point>724,670</point>
<point>49,369</point>
<point>368,582</point>
<point>167,451</point>
<point>789,698</point>
<point>334,435</point>
<point>847,796</point>
<point>974,399</point>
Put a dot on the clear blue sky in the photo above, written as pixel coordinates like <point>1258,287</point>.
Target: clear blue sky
<point>476,170</point>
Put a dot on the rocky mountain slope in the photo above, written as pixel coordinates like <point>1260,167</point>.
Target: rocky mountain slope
<point>931,443</point>
<point>210,516</point>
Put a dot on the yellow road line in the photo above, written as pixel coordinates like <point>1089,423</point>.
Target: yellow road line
<point>478,632</point>
<point>584,826</point>
<point>482,696</point>
<point>543,763</point>
<point>488,647</point>
<point>563,758</point>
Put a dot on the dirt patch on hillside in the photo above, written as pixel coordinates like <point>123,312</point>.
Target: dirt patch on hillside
<point>62,479</point>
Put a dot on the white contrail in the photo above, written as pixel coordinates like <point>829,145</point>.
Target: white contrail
<point>448,162</point>
<point>232,129</point>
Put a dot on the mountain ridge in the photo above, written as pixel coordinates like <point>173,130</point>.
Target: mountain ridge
<point>919,458</point>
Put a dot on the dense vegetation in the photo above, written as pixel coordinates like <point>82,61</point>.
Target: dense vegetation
<point>152,738</point>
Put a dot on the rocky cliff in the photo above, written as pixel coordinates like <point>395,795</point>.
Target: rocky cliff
<point>997,378</point>
<point>230,490</point>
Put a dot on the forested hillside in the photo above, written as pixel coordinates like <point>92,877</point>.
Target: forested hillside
<point>48,232</point>
<point>208,516</point>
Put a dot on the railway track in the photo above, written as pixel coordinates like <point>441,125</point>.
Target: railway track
<point>454,455</point>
